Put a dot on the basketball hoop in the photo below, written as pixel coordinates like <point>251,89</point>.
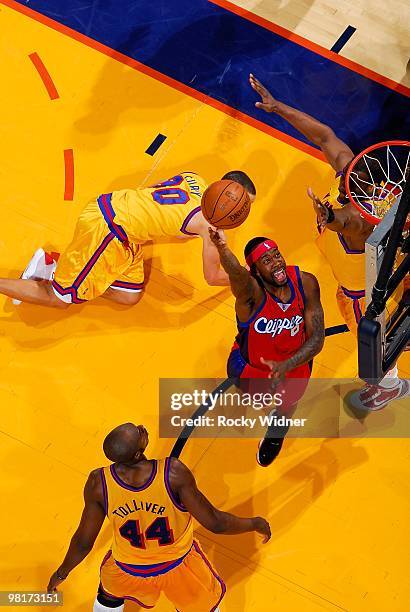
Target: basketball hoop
<point>376,178</point>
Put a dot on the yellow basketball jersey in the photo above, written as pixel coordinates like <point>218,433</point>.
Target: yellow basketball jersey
<point>332,197</point>
<point>150,526</point>
<point>161,210</point>
<point>348,267</point>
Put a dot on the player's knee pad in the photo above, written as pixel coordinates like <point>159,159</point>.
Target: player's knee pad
<point>103,603</point>
<point>99,607</point>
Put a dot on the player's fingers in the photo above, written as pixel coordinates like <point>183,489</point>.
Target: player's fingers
<point>262,106</point>
<point>311,194</point>
<point>256,81</point>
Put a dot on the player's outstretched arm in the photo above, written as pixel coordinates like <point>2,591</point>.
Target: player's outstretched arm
<point>337,152</point>
<point>244,287</point>
<point>183,483</point>
<point>90,525</point>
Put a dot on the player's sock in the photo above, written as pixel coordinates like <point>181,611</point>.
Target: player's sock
<point>99,607</point>
<point>391,379</point>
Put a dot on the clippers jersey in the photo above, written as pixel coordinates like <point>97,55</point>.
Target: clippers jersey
<point>277,330</point>
<point>161,210</point>
<point>150,526</point>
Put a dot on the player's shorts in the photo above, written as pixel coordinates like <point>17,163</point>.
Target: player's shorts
<point>352,306</point>
<point>97,259</point>
<point>254,380</point>
<point>192,585</point>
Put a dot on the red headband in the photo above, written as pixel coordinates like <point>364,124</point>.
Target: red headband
<point>259,250</point>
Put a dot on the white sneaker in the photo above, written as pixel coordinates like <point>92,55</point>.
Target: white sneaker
<point>375,397</point>
<point>40,267</point>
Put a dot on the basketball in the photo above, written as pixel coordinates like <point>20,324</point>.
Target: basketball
<point>225,204</point>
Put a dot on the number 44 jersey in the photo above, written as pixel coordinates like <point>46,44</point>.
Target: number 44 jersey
<point>150,525</point>
<point>161,210</point>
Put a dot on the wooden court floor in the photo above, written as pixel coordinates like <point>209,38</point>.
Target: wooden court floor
<point>338,508</point>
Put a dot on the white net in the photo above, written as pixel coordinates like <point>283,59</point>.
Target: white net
<point>377,178</point>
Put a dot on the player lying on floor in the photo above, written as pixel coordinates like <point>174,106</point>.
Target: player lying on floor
<point>105,257</point>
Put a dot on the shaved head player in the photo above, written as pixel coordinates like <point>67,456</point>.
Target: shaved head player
<point>150,505</point>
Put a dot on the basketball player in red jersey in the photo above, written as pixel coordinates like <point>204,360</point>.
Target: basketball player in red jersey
<point>150,505</point>
<point>280,324</point>
<point>343,234</point>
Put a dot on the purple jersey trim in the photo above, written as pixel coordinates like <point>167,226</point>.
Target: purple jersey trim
<point>124,485</point>
<point>353,294</point>
<point>346,248</point>
<point>187,220</point>
<point>155,569</point>
<point>105,492</point>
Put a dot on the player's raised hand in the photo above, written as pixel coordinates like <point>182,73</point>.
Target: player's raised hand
<point>322,212</point>
<point>268,103</point>
<point>262,526</point>
<point>218,237</point>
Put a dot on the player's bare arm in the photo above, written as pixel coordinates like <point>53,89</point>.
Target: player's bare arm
<point>244,286</point>
<point>335,220</point>
<point>346,221</point>
<point>90,525</point>
<point>183,484</point>
<point>314,322</point>
<point>211,263</point>
<point>337,152</point>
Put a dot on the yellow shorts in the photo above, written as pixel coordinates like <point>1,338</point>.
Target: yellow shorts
<point>97,259</point>
<point>352,304</point>
<point>192,586</point>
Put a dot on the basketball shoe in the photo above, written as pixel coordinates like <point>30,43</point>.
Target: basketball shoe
<point>268,450</point>
<point>376,397</point>
<point>270,446</point>
<point>40,267</point>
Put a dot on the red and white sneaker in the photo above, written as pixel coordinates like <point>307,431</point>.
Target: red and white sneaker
<point>40,267</point>
<point>375,397</point>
